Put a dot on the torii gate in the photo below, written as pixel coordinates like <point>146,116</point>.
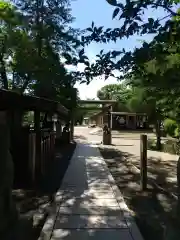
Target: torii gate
<point>106,108</point>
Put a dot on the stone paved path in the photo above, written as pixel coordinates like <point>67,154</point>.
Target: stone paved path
<point>89,205</point>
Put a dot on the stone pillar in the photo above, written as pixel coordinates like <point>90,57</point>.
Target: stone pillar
<point>8,212</point>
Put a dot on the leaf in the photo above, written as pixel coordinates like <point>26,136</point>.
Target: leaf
<point>121,5</point>
<point>89,29</point>
<point>87,63</point>
<point>100,29</point>
<point>83,81</point>
<point>92,25</point>
<point>108,30</point>
<point>106,77</point>
<point>115,13</point>
<point>116,53</point>
<point>112,2</point>
<point>81,52</point>
<point>87,69</point>
<point>101,52</point>
<point>67,56</point>
<point>151,20</point>
<point>138,18</point>
<point>83,59</point>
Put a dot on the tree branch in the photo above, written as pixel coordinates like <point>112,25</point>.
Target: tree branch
<point>166,8</point>
<point>25,84</point>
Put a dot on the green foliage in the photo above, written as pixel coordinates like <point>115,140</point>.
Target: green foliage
<point>36,42</point>
<point>170,126</point>
<point>177,132</point>
<point>169,146</point>
<point>129,99</point>
<point>118,92</point>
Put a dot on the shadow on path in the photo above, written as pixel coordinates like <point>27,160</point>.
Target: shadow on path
<point>154,209</point>
<point>86,201</point>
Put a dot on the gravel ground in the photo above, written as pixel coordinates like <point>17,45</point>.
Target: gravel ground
<point>154,209</point>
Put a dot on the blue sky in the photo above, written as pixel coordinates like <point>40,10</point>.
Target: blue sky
<point>99,11</point>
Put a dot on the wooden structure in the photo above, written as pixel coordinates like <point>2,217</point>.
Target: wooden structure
<point>128,120</point>
<point>143,161</point>
<point>31,149</point>
<point>122,120</point>
<point>25,154</point>
<point>103,118</point>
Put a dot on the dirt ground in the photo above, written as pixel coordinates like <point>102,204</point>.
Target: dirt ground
<point>154,209</point>
<point>33,205</point>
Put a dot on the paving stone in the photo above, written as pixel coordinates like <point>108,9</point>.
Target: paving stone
<point>99,185</point>
<point>74,188</point>
<point>90,193</point>
<point>87,201</point>
<point>133,229</point>
<point>49,224</point>
<point>89,221</point>
<point>98,181</point>
<point>80,185</point>
<point>91,234</point>
<point>97,175</point>
<point>84,209</point>
<point>89,204</point>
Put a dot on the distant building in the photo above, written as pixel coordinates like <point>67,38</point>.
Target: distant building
<point>122,120</point>
<point>85,121</point>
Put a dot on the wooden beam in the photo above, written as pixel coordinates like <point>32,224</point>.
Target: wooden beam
<point>89,108</point>
<point>97,102</point>
<point>13,100</point>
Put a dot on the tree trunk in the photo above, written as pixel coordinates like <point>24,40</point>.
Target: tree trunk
<point>3,73</point>
<point>25,85</point>
<point>158,134</point>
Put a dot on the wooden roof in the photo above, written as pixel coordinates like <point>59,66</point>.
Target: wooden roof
<point>128,113</point>
<point>109,102</point>
<point>12,100</point>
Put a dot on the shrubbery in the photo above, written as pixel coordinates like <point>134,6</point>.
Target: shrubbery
<point>170,127</point>
<point>169,146</point>
<point>177,132</point>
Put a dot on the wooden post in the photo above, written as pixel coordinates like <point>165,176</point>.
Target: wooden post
<point>38,142</point>
<point>8,211</point>
<point>143,159</point>
<point>58,129</point>
<point>107,140</point>
<point>72,126</point>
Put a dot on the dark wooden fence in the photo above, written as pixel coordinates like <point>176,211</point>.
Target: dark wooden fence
<point>27,167</point>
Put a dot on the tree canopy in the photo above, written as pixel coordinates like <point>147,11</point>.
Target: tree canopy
<point>36,43</point>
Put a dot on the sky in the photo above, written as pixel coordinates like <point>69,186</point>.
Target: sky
<point>99,11</point>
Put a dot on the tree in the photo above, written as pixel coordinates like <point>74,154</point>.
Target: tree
<point>118,92</point>
<point>36,43</point>
<point>155,66</point>
<point>158,59</point>
<point>10,20</point>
